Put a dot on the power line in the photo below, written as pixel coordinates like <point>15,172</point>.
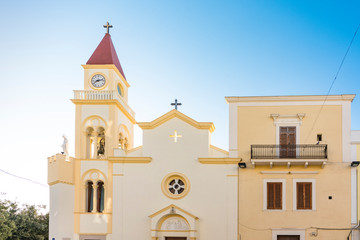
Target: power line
<point>13,175</point>
<point>332,84</point>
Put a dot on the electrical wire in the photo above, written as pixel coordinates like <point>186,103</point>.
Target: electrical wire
<point>316,228</point>
<point>332,84</point>
<point>13,175</point>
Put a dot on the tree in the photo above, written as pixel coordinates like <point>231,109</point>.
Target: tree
<point>22,223</point>
<point>7,223</point>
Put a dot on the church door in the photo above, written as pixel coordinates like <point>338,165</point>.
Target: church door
<point>175,238</point>
<point>287,142</point>
<point>92,237</point>
<point>288,237</point>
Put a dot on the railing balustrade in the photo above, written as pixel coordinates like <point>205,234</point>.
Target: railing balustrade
<point>298,151</point>
<point>101,95</point>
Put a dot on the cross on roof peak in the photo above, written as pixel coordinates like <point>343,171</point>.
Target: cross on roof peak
<point>176,104</point>
<point>107,26</point>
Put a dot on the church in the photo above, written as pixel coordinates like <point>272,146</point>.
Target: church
<point>176,186</point>
<point>288,173</point>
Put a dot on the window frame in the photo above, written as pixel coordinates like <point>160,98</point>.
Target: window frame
<point>276,232</point>
<point>89,196</point>
<point>94,176</point>
<point>280,121</point>
<point>313,194</point>
<point>100,196</point>
<point>283,195</point>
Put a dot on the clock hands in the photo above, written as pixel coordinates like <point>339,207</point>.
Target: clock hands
<point>98,80</point>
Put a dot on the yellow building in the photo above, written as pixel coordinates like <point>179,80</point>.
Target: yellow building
<point>355,157</point>
<point>298,182</point>
<point>286,175</point>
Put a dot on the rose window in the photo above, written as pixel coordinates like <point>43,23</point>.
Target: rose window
<point>176,186</point>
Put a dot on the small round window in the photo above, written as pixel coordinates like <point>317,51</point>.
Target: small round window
<point>119,89</point>
<point>175,185</point>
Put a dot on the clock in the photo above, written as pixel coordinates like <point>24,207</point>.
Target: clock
<point>98,80</point>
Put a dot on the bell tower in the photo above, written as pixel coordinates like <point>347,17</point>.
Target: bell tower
<point>104,120</point>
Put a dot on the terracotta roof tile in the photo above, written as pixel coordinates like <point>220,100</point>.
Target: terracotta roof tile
<point>105,54</point>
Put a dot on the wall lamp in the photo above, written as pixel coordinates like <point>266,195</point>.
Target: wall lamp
<point>242,165</point>
<point>355,163</point>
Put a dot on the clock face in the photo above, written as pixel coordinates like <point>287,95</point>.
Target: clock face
<point>98,80</point>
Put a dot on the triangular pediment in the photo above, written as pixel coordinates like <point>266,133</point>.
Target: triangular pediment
<point>172,209</point>
<point>176,114</point>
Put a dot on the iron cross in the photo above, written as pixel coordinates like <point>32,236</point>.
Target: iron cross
<point>176,104</point>
<point>107,26</point>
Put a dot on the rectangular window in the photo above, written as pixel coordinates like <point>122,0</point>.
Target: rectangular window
<point>304,195</point>
<point>274,195</point>
<point>319,137</point>
<point>288,237</point>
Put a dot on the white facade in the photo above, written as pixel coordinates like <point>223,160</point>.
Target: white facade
<point>176,185</point>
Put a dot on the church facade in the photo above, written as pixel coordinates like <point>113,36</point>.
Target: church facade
<point>282,178</point>
<point>175,186</point>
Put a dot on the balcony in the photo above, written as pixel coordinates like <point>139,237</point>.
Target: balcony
<point>101,96</point>
<point>307,154</point>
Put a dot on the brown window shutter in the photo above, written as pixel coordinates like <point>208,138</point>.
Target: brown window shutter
<point>304,195</point>
<point>274,195</point>
<point>278,195</point>
<point>270,196</point>
<point>300,195</point>
<point>308,197</point>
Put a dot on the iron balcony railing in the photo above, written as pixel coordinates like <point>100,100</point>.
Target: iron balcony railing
<point>298,151</point>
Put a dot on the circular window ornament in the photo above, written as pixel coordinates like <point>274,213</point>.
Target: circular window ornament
<point>175,185</point>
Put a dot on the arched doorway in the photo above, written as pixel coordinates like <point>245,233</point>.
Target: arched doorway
<point>173,223</point>
<point>173,227</point>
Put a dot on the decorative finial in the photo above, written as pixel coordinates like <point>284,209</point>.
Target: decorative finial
<point>107,26</point>
<point>176,104</point>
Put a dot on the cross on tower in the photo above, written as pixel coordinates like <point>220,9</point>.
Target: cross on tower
<point>176,104</point>
<point>107,26</point>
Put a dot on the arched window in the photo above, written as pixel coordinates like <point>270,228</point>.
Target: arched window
<point>126,144</point>
<point>89,196</point>
<point>95,142</point>
<point>100,196</point>
<point>121,140</point>
<point>101,142</point>
<point>89,142</point>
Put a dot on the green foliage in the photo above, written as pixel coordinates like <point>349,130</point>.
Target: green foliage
<point>22,223</point>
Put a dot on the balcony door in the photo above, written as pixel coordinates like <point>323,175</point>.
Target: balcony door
<point>287,142</point>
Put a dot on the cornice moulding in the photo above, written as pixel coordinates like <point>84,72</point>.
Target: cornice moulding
<point>343,97</point>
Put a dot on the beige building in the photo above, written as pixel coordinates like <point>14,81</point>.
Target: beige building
<point>298,183</point>
<point>286,175</point>
<point>176,186</point>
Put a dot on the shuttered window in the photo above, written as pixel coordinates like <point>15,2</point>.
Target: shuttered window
<point>274,195</point>
<point>304,195</point>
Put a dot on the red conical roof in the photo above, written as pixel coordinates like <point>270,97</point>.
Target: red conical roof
<point>105,54</point>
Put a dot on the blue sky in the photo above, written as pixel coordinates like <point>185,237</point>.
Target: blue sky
<point>195,51</point>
